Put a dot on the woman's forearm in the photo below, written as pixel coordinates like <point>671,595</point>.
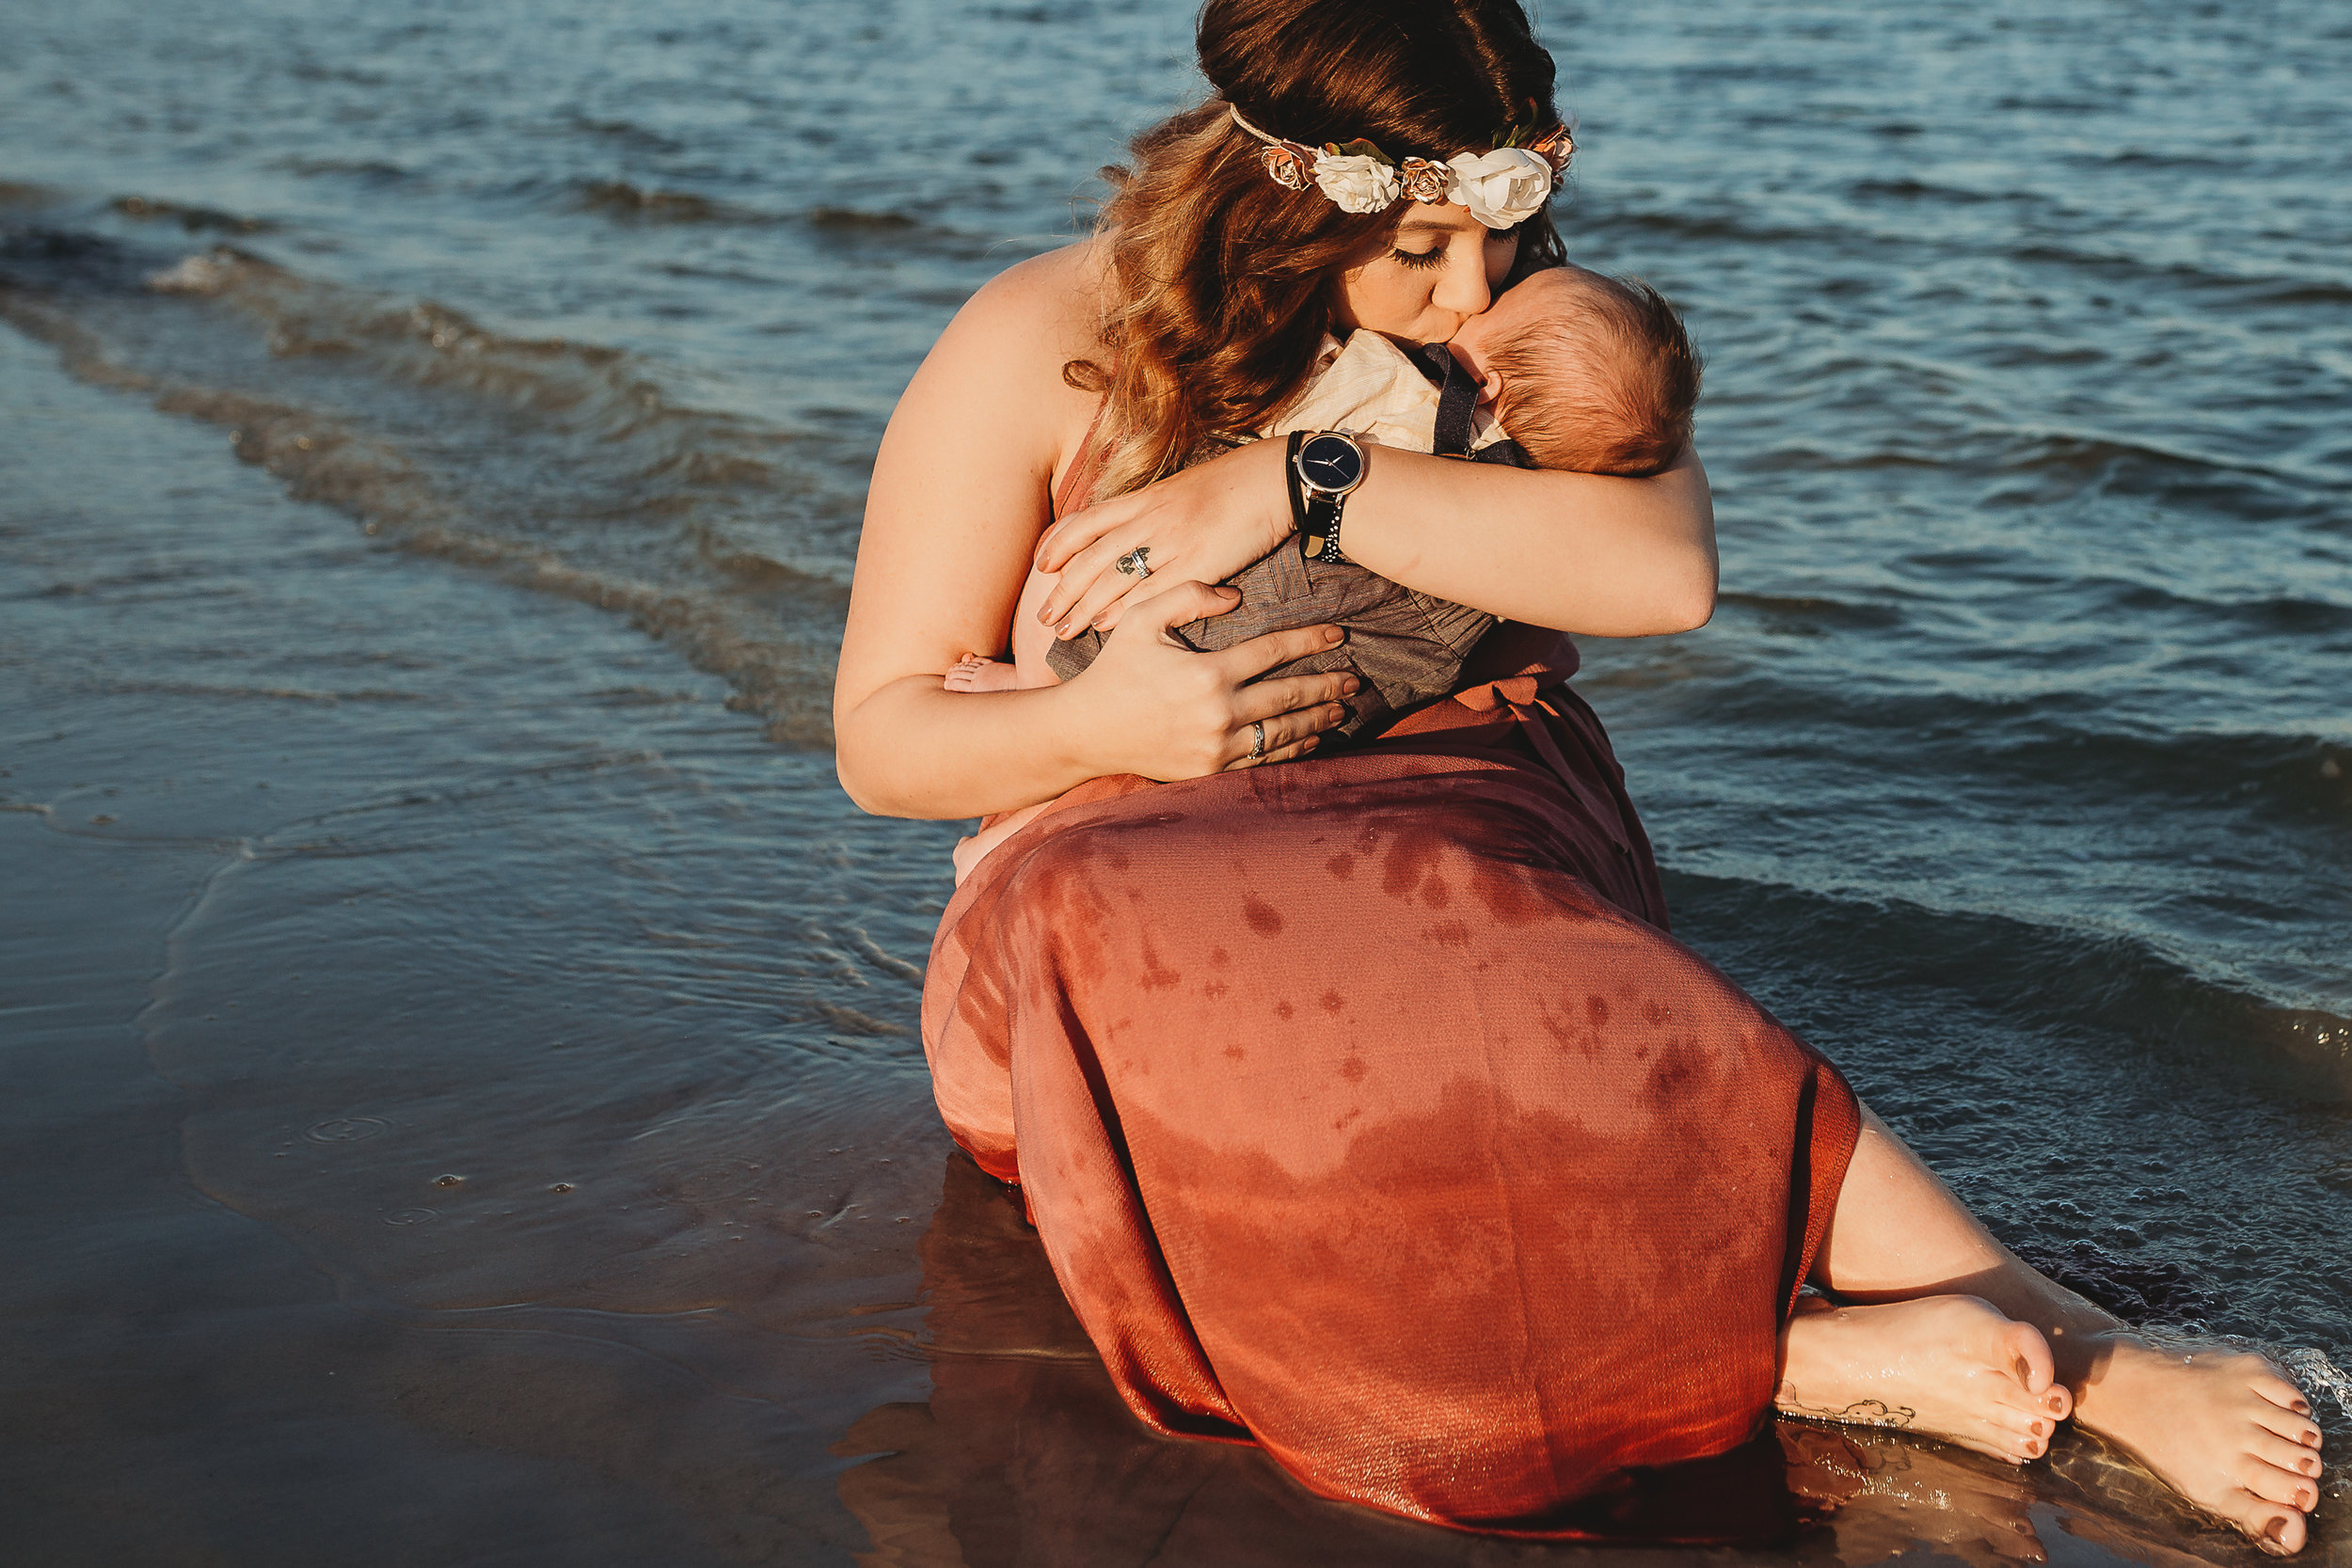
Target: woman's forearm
<point>1587,553</point>
<point>916,749</point>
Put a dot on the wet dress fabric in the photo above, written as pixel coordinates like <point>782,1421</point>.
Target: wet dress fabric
<point>1367,1112</point>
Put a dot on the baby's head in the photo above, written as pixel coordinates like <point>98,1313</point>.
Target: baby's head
<point>1587,373</point>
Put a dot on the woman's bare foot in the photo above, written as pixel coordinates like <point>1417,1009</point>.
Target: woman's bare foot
<point>1947,1367</point>
<point>974,673</point>
<point>2221,1427</point>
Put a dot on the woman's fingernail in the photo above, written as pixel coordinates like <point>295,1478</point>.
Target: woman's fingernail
<point>1349,687</point>
<point>1309,744</point>
<point>1331,634</point>
<point>2301,1408</point>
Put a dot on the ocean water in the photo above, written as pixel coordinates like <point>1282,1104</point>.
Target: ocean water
<point>464,1099</point>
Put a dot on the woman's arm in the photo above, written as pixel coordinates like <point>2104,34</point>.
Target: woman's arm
<point>960,493</point>
<point>1585,553</point>
<point>1589,553</point>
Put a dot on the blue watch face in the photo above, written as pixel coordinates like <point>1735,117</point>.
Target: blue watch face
<point>1330,464</point>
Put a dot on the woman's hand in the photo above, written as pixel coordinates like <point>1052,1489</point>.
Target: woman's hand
<point>1204,524</point>
<point>1150,705</point>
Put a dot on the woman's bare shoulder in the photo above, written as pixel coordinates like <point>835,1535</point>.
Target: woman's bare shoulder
<point>1041,313</point>
<point>995,378</point>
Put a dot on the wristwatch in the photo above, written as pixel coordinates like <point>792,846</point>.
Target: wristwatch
<point>1326,465</point>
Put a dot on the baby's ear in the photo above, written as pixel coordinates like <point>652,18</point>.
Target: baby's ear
<point>1491,387</point>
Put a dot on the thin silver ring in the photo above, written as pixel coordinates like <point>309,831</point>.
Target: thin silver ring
<point>1135,563</point>
<point>1256,741</point>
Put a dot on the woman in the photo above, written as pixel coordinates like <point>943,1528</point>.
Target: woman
<point>1362,1105</point>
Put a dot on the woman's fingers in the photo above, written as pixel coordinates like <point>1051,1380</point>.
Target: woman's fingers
<point>1076,531</point>
<point>1090,580</point>
<point>1265,699</point>
<point>1255,657</point>
<point>1287,736</point>
<point>1180,602</point>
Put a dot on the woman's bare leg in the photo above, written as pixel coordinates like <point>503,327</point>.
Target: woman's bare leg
<point>2221,1428</point>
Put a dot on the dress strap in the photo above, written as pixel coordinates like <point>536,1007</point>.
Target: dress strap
<point>1077,481</point>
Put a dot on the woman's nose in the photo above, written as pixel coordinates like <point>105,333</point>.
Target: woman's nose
<point>1463,288</point>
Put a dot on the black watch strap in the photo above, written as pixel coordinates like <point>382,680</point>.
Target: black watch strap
<point>1290,478</point>
<point>1319,535</point>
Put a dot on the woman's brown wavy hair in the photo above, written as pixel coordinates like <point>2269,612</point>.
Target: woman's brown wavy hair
<point>1221,280</point>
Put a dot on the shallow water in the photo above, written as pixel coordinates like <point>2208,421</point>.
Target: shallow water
<point>465,1099</point>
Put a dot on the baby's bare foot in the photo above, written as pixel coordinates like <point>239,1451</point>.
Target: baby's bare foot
<point>2221,1427</point>
<point>1947,1367</point>
<point>974,673</point>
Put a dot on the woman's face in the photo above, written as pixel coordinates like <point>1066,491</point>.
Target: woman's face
<point>1442,267</point>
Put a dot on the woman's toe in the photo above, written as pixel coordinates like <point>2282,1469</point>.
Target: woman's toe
<point>2277,1391</point>
<point>2273,1450</point>
<point>2276,1530</point>
<point>2286,1424</point>
<point>2272,1484</point>
<point>2027,1354</point>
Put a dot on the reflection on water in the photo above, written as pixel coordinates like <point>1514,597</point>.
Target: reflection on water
<point>1025,1456</point>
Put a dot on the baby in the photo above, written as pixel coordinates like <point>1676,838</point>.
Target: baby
<point>1587,373</point>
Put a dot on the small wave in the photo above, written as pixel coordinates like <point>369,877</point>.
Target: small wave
<point>194,219</point>
<point>2050,737</point>
<point>618,199</point>
<point>271,693</point>
<point>1919,190</point>
<point>15,194</point>
<point>1790,612</point>
<point>2248,289</point>
<point>625,132</point>
<point>374,170</point>
<point>2132,466</point>
<point>856,220</point>
<point>2045,976</point>
<point>562,469</point>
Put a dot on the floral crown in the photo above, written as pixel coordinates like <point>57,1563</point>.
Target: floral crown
<point>1502,188</point>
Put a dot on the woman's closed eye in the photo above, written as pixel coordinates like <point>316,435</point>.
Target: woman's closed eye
<point>1420,258</point>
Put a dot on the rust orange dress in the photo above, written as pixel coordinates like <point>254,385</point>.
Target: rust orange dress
<point>1367,1112</point>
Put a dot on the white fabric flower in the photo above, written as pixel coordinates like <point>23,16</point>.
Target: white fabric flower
<point>1356,183</point>
<point>1502,188</point>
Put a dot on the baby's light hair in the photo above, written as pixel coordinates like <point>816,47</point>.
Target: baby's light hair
<point>1607,388</point>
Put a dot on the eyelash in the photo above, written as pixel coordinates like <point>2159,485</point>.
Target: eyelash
<point>1420,257</point>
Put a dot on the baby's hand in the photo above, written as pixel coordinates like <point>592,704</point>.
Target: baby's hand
<point>974,673</point>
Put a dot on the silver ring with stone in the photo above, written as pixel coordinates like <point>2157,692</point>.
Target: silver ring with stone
<point>1256,741</point>
<point>1135,563</point>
